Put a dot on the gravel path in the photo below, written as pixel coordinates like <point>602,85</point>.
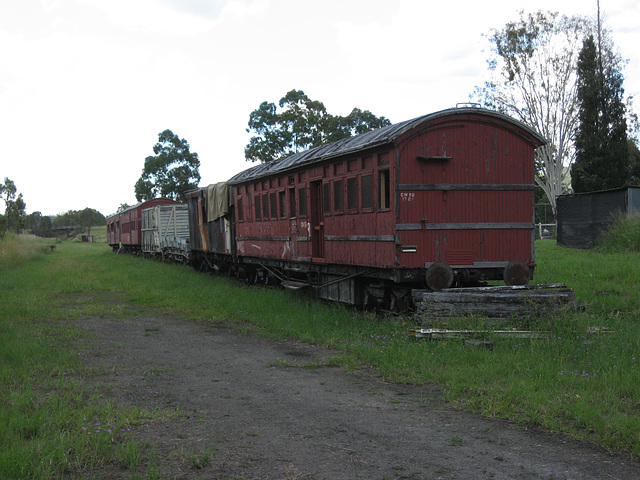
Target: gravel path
<point>267,415</point>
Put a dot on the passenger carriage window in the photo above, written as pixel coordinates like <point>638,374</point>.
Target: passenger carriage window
<point>326,200</point>
<point>239,209</point>
<point>292,202</point>
<point>274,205</point>
<point>302,201</point>
<point>256,200</point>
<point>366,192</point>
<point>282,204</point>
<point>265,207</point>
<point>383,190</point>
<point>352,193</point>
<point>338,202</point>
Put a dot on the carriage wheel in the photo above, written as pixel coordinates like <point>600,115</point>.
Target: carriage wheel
<point>439,276</point>
<point>517,273</point>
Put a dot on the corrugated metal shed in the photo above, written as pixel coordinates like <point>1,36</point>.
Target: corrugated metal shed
<point>375,138</point>
<point>583,218</point>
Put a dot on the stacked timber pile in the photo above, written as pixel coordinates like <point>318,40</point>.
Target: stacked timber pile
<point>493,302</point>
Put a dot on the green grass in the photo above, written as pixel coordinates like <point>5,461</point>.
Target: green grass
<point>52,423</point>
<point>581,380</point>
<point>16,250</point>
<point>623,236</point>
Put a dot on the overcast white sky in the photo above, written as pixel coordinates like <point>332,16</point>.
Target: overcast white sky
<point>87,85</point>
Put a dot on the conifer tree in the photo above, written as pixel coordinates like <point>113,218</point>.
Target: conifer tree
<point>602,157</point>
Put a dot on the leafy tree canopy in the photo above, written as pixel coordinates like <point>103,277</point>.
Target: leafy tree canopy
<point>173,170</point>
<point>82,219</point>
<point>86,218</point>
<point>533,78</point>
<point>15,207</point>
<point>39,225</point>
<point>301,124</point>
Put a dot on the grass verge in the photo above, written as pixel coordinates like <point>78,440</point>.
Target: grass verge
<point>16,250</point>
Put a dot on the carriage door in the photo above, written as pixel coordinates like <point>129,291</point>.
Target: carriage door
<point>317,220</point>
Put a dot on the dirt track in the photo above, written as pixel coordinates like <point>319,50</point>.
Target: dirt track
<point>269,417</point>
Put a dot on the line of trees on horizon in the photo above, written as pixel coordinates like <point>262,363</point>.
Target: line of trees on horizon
<point>16,220</point>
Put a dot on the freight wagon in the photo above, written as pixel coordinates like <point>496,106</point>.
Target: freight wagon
<point>124,228</point>
<point>165,232</point>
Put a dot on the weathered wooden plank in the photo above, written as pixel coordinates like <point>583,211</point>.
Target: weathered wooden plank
<point>493,310</point>
<point>438,333</point>
<point>463,297</point>
<point>494,301</point>
<point>498,288</point>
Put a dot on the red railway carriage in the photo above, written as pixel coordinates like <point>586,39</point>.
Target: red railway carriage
<point>211,221</point>
<point>124,229</point>
<point>443,198</point>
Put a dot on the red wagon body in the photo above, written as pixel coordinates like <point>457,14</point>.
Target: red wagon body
<point>445,197</point>
<point>124,229</point>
